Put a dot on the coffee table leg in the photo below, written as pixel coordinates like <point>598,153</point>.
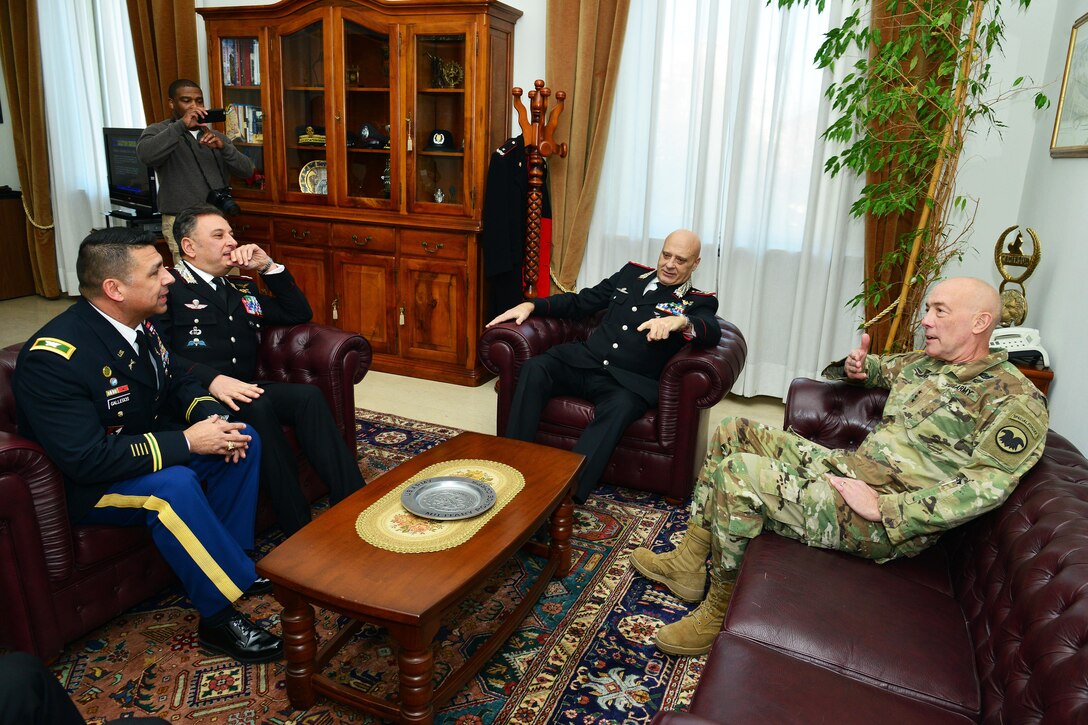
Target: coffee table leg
<point>415,662</point>
<point>562,527</point>
<point>299,647</point>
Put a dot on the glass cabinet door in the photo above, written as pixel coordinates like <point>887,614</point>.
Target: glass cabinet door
<point>439,125</point>
<point>370,171</point>
<point>241,79</point>
<point>304,123</point>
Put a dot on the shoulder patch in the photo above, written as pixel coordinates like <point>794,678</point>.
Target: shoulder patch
<point>643,266</point>
<point>52,344</point>
<point>1015,434</point>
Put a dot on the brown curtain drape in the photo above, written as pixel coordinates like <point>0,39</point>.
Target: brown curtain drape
<point>26,96</point>
<point>164,38</point>
<point>585,38</point>
<point>884,234</point>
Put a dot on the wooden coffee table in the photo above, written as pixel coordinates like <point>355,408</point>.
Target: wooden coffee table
<point>328,565</point>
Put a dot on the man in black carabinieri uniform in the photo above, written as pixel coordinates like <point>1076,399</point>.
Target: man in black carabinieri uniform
<point>215,335</point>
<point>651,314</point>
<point>100,393</point>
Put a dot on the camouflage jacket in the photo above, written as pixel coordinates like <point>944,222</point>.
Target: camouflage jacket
<point>952,443</point>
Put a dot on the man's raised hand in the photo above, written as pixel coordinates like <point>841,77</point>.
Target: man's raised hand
<point>855,361</point>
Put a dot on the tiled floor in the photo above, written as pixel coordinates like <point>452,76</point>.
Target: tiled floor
<point>452,405</point>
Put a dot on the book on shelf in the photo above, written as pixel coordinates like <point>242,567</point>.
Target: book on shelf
<point>245,123</point>
<point>241,59</point>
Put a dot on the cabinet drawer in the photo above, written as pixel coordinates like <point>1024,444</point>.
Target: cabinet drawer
<point>251,229</point>
<point>366,238</point>
<point>441,245</point>
<point>297,231</point>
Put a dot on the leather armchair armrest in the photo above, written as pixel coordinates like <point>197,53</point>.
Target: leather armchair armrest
<point>35,546</point>
<point>33,502</point>
<point>833,413</point>
<point>333,360</point>
<point>504,348</point>
<point>699,377</point>
<point>718,368</point>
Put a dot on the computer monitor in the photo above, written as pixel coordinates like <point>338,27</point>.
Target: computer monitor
<point>131,183</point>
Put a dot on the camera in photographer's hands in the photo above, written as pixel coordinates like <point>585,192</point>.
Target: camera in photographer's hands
<point>222,200</point>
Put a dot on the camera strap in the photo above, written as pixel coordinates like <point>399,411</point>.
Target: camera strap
<point>196,159</point>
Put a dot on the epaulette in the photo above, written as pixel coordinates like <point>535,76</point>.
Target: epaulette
<point>701,293</point>
<point>642,265</point>
<point>52,344</point>
<point>507,147</point>
<point>183,271</point>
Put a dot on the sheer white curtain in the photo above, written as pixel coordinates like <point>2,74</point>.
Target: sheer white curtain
<point>716,127</point>
<point>88,69</point>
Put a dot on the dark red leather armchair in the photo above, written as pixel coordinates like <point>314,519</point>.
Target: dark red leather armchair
<point>658,452</point>
<point>58,581</point>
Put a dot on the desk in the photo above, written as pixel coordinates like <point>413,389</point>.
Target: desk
<point>1041,378</point>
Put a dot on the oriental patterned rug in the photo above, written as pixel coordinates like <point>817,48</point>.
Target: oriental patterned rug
<point>584,655</point>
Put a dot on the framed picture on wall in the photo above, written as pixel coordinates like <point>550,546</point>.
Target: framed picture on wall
<point>1071,124</point>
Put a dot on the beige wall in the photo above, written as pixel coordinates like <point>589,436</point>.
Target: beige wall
<point>1017,182</point>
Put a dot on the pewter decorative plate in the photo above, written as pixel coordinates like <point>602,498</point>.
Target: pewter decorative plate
<point>448,498</point>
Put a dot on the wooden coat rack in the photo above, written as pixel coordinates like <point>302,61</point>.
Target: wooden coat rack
<point>539,144</point>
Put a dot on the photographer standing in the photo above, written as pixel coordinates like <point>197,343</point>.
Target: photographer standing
<point>193,163</point>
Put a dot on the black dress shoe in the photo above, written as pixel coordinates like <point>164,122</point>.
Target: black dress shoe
<point>241,639</point>
<point>259,586</point>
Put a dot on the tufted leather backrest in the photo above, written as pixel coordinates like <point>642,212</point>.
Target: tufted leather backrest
<point>1021,576</point>
<point>834,414</point>
<point>333,360</point>
<point>1020,572</point>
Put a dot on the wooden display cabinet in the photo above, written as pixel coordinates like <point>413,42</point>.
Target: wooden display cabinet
<point>376,123</point>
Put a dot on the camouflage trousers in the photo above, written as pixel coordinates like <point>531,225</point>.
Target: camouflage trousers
<point>757,478</point>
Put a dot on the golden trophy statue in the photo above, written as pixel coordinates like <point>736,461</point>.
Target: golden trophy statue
<point>1014,303</point>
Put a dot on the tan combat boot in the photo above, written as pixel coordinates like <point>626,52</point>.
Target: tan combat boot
<point>682,570</point>
<point>695,633</point>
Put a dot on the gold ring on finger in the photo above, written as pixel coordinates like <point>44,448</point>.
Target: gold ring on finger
<point>230,446</point>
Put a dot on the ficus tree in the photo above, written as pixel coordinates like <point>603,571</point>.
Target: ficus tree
<point>918,81</point>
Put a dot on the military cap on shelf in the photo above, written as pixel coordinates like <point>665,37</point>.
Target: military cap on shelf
<point>372,137</point>
<point>311,134</point>
<point>441,140</point>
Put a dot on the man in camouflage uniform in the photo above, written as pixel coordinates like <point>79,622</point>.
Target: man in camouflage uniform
<point>960,426</point>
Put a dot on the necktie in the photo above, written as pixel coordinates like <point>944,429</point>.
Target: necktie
<point>221,288</point>
<point>145,353</point>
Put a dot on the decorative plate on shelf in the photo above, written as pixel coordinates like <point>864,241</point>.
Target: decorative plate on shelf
<point>448,497</point>
<point>313,178</point>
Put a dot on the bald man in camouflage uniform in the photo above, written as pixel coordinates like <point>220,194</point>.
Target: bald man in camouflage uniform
<point>960,426</point>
